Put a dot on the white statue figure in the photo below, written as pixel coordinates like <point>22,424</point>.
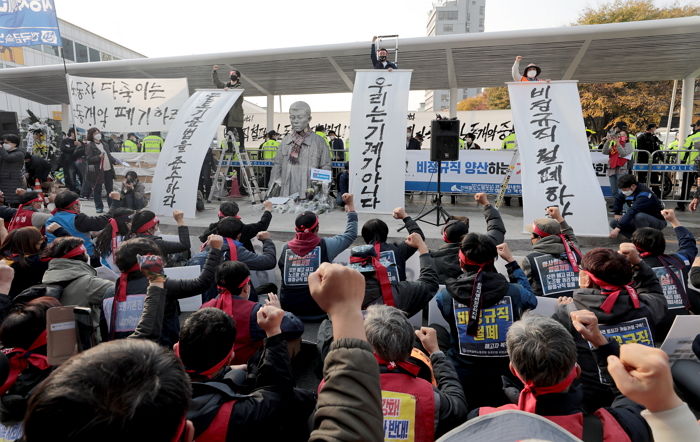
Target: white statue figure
<point>301,150</point>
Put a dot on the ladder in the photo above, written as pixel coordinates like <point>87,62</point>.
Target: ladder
<point>506,179</point>
<point>224,166</point>
<point>396,45</point>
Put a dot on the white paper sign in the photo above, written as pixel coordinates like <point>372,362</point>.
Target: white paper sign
<point>378,139</point>
<point>177,173</point>
<point>553,147</point>
<point>679,340</point>
<point>321,175</point>
<point>126,104</point>
<point>193,303</point>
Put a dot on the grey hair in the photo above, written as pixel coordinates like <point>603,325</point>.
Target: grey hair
<point>389,332</point>
<point>541,349</point>
<point>301,105</point>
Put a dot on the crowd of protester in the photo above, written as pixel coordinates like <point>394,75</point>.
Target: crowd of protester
<point>233,369</point>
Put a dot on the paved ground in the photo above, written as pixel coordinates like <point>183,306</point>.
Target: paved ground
<point>333,222</point>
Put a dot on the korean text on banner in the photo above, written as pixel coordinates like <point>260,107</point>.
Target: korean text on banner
<point>27,23</point>
<point>126,104</point>
<point>378,139</point>
<point>177,172</point>
<point>553,148</point>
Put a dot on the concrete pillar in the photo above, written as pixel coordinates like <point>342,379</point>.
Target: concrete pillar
<point>67,121</point>
<point>270,112</point>
<point>687,92</point>
<point>453,102</point>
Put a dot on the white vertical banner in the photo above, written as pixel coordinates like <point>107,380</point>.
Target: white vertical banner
<point>126,104</point>
<point>176,176</point>
<point>378,121</point>
<point>555,156</point>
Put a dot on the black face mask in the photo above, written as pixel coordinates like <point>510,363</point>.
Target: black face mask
<point>234,78</point>
<point>382,58</point>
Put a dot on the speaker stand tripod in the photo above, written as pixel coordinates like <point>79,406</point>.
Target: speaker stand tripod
<point>442,216</point>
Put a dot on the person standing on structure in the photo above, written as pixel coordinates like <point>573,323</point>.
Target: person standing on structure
<point>532,71</point>
<point>379,57</point>
<point>234,118</point>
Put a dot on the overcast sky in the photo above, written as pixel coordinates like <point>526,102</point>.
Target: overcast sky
<point>158,28</point>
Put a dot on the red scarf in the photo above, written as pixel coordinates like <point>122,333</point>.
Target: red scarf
<point>120,296</point>
<point>528,396</point>
<point>152,223</point>
<point>615,159</point>
<point>298,139</point>
<point>380,271</point>
<point>115,232</point>
<point>66,209</point>
<point>571,250</point>
<point>211,371</point>
<point>613,293</point>
<point>391,365</point>
<point>224,301</point>
<point>19,359</point>
<point>305,239</point>
<point>232,250</point>
<point>475,301</point>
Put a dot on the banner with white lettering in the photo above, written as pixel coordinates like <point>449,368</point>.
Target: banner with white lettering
<point>177,173</point>
<point>378,139</point>
<point>553,147</point>
<point>126,104</point>
<point>28,23</point>
<point>477,171</point>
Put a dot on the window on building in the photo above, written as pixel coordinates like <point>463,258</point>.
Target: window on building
<point>94,54</point>
<point>106,57</point>
<point>448,15</point>
<point>447,28</point>
<point>51,50</point>
<point>81,53</point>
<point>68,52</point>
<point>482,10</point>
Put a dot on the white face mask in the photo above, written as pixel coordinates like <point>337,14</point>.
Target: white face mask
<point>97,137</point>
<point>7,146</point>
<point>532,73</point>
<point>627,192</point>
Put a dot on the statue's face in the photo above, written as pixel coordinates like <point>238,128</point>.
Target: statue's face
<point>299,119</point>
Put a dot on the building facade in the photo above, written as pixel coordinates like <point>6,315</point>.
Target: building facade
<point>453,17</point>
<point>79,46</point>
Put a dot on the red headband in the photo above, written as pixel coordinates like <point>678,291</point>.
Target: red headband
<point>211,371</point>
<point>391,365</point>
<point>180,429</point>
<point>67,208</point>
<point>568,248</point>
<point>381,273</point>
<point>19,359</point>
<point>444,236</point>
<point>615,291</point>
<point>307,229</point>
<point>76,251</point>
<point>528,395</point>
<point>152,223</point>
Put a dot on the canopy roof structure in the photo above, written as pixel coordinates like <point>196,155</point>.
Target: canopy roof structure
<point>635,51</point>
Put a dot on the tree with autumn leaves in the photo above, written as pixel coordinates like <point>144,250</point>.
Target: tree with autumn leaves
<point>606,103</point>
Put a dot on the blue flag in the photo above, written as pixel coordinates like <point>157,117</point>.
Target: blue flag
<point>28,22</point>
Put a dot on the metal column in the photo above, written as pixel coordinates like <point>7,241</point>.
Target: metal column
<point>270,113</point>
<point>687,92</point>
<point>453,102</point>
